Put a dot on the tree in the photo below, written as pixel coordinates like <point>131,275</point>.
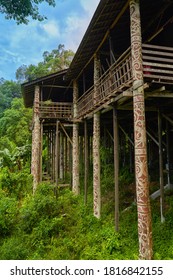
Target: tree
<point>56,60</point>
<point>20,10</point>
<point>8,91</point>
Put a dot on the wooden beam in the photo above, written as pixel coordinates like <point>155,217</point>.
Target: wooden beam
<point>116,167</point>
<point>86,161</point>
<point>161,166</point>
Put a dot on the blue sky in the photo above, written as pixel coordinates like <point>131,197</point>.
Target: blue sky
<point>25,44</point>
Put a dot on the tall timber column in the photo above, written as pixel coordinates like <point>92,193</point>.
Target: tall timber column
<point>75,167</point>
<point>141,170</point>
<point>96,146</point>
<point>35,162</point>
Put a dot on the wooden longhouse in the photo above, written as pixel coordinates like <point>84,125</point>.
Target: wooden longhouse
<point>120,82</point>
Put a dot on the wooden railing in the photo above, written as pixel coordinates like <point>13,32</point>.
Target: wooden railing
<point>57,110</point>
<point>158,63</point>
<point>157,67</point>
<point>114,80</point>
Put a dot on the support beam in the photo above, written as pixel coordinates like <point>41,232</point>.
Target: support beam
<point>161,166</point>
<point>141,166</point>
<point>86,161</point>
<point>57,157</point>
<point>96,144</point>
<point>96,165</point>
<point>168,151</point>
<point>61,156</point>
<point>75,186</point>
<point>35,161</point>
<point>116,167</point>
<point>41,147</point>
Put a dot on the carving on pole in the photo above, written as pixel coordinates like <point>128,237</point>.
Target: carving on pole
<point>96,147</point>
<point>35,162</point>
<point>141,172</point>
<point>75,168</point>
<point>96,165</point>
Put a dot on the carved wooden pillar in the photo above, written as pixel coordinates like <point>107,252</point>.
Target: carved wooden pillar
<point>96,146</point>
<point>35,162</point>
<point>141,172</point>
<point>75,167</point>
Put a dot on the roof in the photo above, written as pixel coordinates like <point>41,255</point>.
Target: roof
<point>51,81</point>
<point>113,16</point>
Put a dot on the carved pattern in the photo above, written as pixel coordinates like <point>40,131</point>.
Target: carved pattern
<point>96,165</point>
<point>76,159</point>
<point>136,42</point>
<point>75,187</point>
<point>35,163</point>
<point>141,171</point>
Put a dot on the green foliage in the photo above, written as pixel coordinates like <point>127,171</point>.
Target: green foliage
<point>8,212</point>
<point>56,60</point>
<point>8,91</point>
<point>16,184</point>
<point>22,9</point>
<point>15,123</point>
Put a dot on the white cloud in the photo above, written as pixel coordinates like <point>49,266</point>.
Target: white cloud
<point>51,28</point>
<point>76,24</point>
<point>25,44</point>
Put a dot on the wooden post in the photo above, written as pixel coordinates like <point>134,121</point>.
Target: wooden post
<point>57,157</point>
<point>65,156</point>
<point>61,156</point>
<point>86,160</point>
<point>96,146</point>
<point>41,147</point>
<point>75,187</point>
<point>35,162</point>
<point>161,166</point>
<point>141,167</point>
<point>96,166</point>
<point>168,151</point>
<point>116,167</point>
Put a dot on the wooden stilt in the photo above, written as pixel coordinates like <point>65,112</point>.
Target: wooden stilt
<point>86,160</point>
<point>141,166</point>
<point>75,173</point>
<point>35,162</point>
<point>41,147</point>
<point>161,166</point>
<point>96,144</point>
<point>116,167</point>
<point>168,152</point>
<point>57,157</point>
<point>61,156</point>
<point>96,166</point>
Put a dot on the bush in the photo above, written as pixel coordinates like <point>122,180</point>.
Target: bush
<point>8,214</point>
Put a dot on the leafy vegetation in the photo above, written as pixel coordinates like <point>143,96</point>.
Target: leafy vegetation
<point>53,61</point>
<point>22,9</point>
<point>45,227</point>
